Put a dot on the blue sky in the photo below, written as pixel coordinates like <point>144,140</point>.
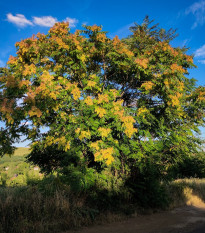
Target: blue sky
<point>21,19</point>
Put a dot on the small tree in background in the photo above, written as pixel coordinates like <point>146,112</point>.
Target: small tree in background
<point>125,106</point>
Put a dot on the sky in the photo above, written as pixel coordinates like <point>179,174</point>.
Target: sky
<point>21,19</point>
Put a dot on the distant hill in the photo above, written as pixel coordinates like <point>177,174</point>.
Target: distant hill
<point>21,151</point>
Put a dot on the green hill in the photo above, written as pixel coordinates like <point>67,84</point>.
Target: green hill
<point>14,170</point>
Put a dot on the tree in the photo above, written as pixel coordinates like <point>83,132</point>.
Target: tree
<point>107,103</point>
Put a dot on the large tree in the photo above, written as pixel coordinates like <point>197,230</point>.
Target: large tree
<point>104,102</point>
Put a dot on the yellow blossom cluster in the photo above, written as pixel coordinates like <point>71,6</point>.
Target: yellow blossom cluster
<point>95,28</point>
<point>25,45</point>
<point>101,37</point>
<point>114,92</point>
<point>25,83</point>
<point>201,95</point>
<point>124,50</point>
<point>84,134</point>
<point>166,82</point>
<point>104,132</point>
<point>189,58</point>
<point>34,111</point>
<point>174,67</point>
<point>60,28</point>
<point>116,41</point>
<point>11,81</point>
<point>100,111</point>
<point>91,83</point>
<point>174,99</point>
<point>103,98</point>
<point>60,42</point>
<point>143,62</point>
<point>148,85</point>
<point>95,145</point>
<point>7,110</point>
<point>76,93</point>
<point>128,122</point>
<point>117,105</point>
<point>180,86</point>
<point>57,67</point>
<point>142,111</point>
<point>83,58</point>
<point>29,69</point>
<point>105,154</point>
<point>47,87</point>
<point>30,97</point>
<point>88,101</point>
<point>12,60</point>
<point>61,141</point>
<point>121,47</point>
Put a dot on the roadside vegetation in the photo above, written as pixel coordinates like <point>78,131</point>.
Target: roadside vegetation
<point>51,203</point>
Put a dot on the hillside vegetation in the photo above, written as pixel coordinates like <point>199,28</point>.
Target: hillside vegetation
<point>14,170</point>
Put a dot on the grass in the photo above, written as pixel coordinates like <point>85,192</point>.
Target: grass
<point>51,207</point>
<point>187,192</point>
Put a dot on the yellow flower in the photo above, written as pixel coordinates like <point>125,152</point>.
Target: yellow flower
<point>105,154</point>
<point>67,146</point>
<point>142,111</point>
<point>103,98</point>
<point>84,134</point>
<point>77,131</point>
<point>95,145</point>
<point>76,93</point>
<point>88,101</point>
<point>148,85</point>
<point>104,132</point>
<point>142,62</point>
<point>91,83</point>
<point>29,70</point>
<point>175,99</point>
<point>83,58</point>
<point>35,112</point>
<point>100,111</point>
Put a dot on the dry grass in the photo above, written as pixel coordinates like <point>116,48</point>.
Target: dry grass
<point>32,210</point>
<point>26,210</point>
<point>21,151</point>
<point>187,192</point>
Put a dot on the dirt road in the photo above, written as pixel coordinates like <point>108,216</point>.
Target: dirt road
<point>187,219</point>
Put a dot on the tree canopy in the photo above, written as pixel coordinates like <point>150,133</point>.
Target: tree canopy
<point>106,103</point>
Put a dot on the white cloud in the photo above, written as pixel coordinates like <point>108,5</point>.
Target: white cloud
<point>72,22</point>
<point>201,61</point>
<point>45,21</point>
<point>19,20</point>
<point>198,10</point>
<point>200,52</point>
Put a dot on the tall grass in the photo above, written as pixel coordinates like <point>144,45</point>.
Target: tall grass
<point>26,210</point>
<point>51,207</point>
<point>186,191</point>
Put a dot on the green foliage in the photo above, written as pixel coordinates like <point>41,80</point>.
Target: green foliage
<point>189,167</point>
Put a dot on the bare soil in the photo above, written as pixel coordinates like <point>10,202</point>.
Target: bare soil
<point>186,219</point>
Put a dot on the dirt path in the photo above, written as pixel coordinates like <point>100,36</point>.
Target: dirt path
<point>188,219</point>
